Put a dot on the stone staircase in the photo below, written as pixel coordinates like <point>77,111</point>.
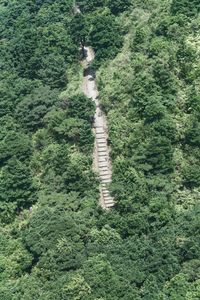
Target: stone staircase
<point>101,155</point>
<point>104,167</point>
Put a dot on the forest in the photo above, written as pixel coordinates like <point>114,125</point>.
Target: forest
<point>56,242</point>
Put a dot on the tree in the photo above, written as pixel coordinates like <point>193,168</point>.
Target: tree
<point>118,6</point>
<point>80,106</point>
<point>88,6</point>
<point>12,91</point>
<point>15,144</point>
<point>16,189</point>
<point>191,176</point>
<point>55,235</point>
<point>154,110</point>
<point>76,289</point>
<point>192,135</point>
<point>187,7</point>
<point>52,70</point>
<point>105,36</point>
<point>79,29</point>
<point>23,48</point>
<point>31,111</point>
<point>159,154</point>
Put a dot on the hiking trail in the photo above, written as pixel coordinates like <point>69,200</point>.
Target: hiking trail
<point>101,159</point>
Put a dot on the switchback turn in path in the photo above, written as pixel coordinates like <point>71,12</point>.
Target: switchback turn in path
<point>102,162</point>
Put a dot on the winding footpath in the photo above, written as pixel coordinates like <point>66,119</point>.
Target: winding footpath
<point>102,163</point>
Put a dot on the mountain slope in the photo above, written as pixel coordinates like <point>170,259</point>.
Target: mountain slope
<point>56,242</point>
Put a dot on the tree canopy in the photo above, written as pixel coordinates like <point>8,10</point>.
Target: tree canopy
<point>56,242</point>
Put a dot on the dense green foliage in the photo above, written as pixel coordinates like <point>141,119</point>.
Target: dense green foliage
<point>151,95</point>
<point>116,6</point>
<point>55,241</point>
<point>99,27</point>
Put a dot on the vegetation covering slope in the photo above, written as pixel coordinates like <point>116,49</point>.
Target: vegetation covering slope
<point>55,242</point>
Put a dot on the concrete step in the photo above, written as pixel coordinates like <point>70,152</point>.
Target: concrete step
<point>100,131</point>
<point>104,189</point>
<point>108,199</point>
<point>103,179</point>
<point>110,202</point>
<point>103,164</point>
<point>105,175</point>
<point>106,180</point>
<point>102,145</point>
<point>102,159</point>
<point>102,141</point>
<point>106,172</point>
<point>104,169</point>
<point>106,194</point>
<point>109,205</point>
<point>98,128</point>
<point>100,136</point>
<point>104,149</point>
<point>103,154</point>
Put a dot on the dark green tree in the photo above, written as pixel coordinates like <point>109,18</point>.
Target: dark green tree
<point>80,107</point>
<point>159,154</point>
<point>31,111</point>
<point>105,36</point>
<point>118,6</point>
<point>87,6</point>
<point>16,189</point>
<point>187,7</point>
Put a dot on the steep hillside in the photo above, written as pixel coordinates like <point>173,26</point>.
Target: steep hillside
<point>56,241</point>
<point>150,92</point>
